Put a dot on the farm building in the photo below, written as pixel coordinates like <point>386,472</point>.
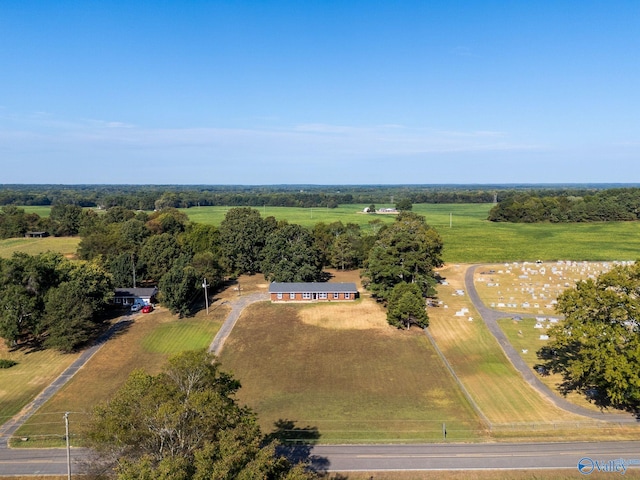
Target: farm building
<point>129,296</point>
<point>312,292</point>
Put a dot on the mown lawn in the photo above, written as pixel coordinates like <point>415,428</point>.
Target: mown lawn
<point>351,385</point>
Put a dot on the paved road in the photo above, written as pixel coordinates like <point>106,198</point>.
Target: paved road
<point>237,306</point>
<point>490,318</point>
<point>353,458</point>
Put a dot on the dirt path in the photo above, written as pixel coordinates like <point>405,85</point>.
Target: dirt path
<point>490,318</point>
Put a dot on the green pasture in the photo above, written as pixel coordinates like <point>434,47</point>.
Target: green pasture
<point>33,246</point>
<point>43,211</point>
<point>347,385</point>
<point>470,238</point>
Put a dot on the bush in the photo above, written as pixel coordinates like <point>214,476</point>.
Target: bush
<point>6,363</point>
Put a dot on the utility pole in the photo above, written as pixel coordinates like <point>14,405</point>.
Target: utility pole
<point>66,427</point>
<point>206,296</point>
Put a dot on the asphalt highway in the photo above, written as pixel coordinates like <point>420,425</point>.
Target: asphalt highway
<point>353,458</point>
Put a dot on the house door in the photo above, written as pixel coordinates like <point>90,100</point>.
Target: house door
<point>315,296</point>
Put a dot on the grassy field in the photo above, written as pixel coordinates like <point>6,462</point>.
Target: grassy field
<point>470,238</point>
<point>22,382</point>
<point>33,246</point>
<point>350,385</point>
<point>146,344</point>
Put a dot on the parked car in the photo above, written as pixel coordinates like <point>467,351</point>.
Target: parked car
<point>136,307</point>
<point>147,309</point>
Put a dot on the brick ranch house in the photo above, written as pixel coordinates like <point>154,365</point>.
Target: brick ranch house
<point>312,292</point>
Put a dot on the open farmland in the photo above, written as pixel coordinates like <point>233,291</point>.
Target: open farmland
<point>470,238</point>
<point>67,246</point>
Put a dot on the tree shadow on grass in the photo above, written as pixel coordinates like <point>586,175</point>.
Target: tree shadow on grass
<point>296,444</point>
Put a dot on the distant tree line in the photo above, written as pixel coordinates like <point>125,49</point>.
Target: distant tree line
<point>150,197</point>
<point>614,205</point>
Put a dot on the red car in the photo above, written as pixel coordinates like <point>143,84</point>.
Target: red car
<point>147,309</point>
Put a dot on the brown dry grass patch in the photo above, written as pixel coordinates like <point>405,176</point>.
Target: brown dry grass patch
<point>364,314</point>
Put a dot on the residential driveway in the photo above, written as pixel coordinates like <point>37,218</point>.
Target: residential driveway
<point>237,306</point>
<point>490,318</point>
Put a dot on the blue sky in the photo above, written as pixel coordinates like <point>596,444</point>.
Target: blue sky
<point>319,92</point>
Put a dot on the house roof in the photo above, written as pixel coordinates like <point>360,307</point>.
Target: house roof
<point>310,287</point>
<point>136,292</point>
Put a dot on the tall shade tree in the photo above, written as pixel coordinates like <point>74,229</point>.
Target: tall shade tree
<point>243,233</point>
<point>179,286</point>
<point>596,348</point>
<point>184,424</point>
<point>290,256</point>
<point>65,219</point>
<point>407,306</point>
<point>406,251</point>
<point>157,255</point>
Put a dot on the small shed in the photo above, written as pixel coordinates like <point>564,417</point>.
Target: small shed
<point>129,296</point>
<point>312,291</point>
<point>36,234</point>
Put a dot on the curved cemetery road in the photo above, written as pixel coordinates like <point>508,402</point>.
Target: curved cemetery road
<point>490,318</point>
<point>10,427</point>
<point>237,306</point>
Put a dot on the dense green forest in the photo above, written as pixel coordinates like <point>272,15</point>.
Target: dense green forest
<point>611,205</point>
<point>150,197</point>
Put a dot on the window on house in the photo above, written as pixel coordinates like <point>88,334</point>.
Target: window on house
<point>292,296</point>
<point>336,296</point>
<point>306,296</point>
<point>279,295</point>
<point>347,296</point>
<point>323,296</point>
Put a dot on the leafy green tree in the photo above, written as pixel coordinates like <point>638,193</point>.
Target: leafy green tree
<point>179,286</point>
<point>65,219</point>
<point>343,252</point>
<point>243,233</point>
<point>19,313</point>
<point>157,255</point>
<point>596,348</point>
<point>184,424</point>
<point>404,205</point>
<point>290,256</point>
<point>200,238</point>
<point>407,306</point>
<point>72,309</point>
<point>406,251</point>
<point>68,319</point>
<point>121,270</point>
